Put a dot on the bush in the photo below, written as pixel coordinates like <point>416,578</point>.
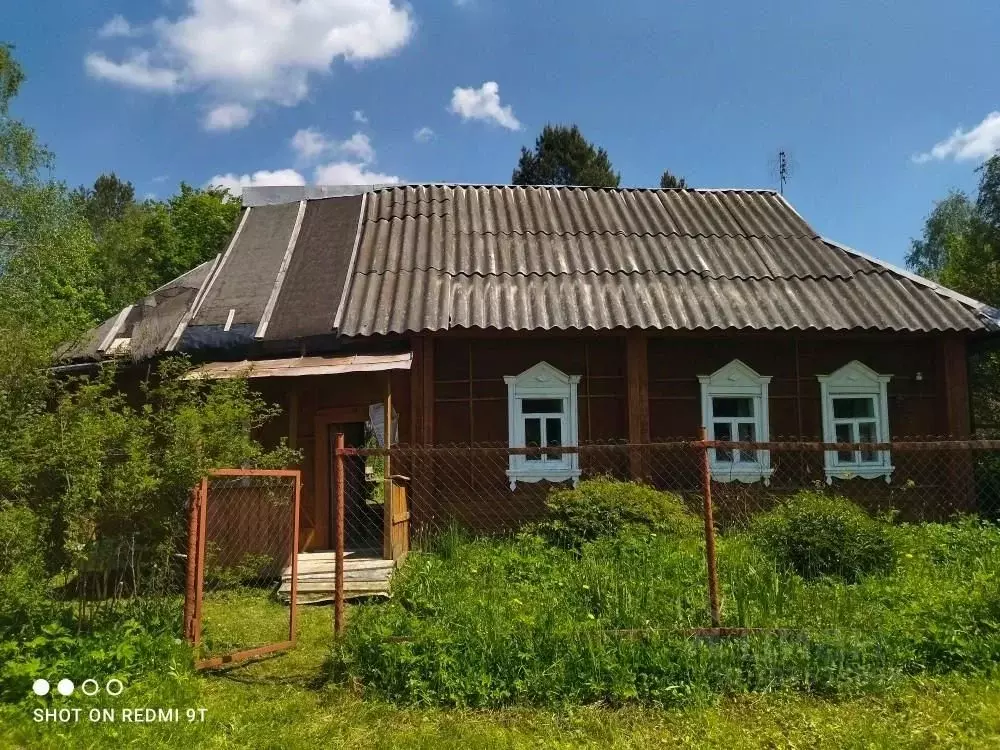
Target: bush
<point>23,588</point>
<point>606,507</point>
<point>819,535</point>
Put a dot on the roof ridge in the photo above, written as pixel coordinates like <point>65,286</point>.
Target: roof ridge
<point>619,188</point>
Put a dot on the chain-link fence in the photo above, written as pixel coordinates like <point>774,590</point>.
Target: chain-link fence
<point>494,488</point>
<point>242,564</point>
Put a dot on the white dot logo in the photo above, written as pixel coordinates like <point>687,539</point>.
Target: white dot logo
<point>65,687</point>
<point>90,687</point>
<point>117,684</point>
<point>41,687</point>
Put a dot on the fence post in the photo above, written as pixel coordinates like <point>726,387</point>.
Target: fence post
<point>338,591</point>
<point>192,561</point>
<point>294,601</point>
<point>199,575</point>
<point>706,488</point>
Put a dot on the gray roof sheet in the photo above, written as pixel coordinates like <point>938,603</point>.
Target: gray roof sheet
<point>400,259</point>
<point>436,257</point>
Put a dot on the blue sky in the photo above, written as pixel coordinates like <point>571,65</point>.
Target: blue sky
<point>336,91</point>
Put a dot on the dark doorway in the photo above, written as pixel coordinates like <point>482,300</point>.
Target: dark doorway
<point>363,506</point>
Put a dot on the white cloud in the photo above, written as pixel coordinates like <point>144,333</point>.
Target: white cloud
<point>980,142</point>
<point>359,146</point>
<point>118,26</point>
<point>236,183</point>
<point>483,104</point>
<point>135,72</point>
<point>228,117</point>
<point>159,178</point>
<point>423,135</point>
<point>251,51</point>
<point>360,117</point>
<point>309,144</point>
<point>350,173</point>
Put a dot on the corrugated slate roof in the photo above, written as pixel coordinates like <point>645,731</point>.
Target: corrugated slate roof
<point>436,257</point>
<point>416,258</point>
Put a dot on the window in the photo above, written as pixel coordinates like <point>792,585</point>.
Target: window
<point>542,413</point>
<point>734,408</point>
<point>855,410</point>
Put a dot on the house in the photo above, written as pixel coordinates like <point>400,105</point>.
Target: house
<point>556,315</point>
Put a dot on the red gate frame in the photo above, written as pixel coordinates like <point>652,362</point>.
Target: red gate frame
<point>194,588</point>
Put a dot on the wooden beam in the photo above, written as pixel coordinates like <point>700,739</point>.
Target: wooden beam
<point>954,392</point>
<point>955,386</point>
<point>637,375</point>
<point>387,474</point>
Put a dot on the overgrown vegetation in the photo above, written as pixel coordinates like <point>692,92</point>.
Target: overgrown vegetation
<point>93,483</point>
<point>605,507</point>
<point>285,702</point>
<point>522,621</point>
<point>819,535</point>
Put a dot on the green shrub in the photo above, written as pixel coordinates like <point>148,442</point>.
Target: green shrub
<point>23,587</point>
<point>819,535</point>
<point>604,507</point>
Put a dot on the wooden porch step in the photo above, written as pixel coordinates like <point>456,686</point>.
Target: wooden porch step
<point>363,576</point>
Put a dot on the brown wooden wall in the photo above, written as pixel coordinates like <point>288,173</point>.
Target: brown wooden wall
<point>455,394</point>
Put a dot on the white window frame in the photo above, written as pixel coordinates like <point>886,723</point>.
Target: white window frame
<point>542,381</point>
<point>738,380</point>
<point>856,380</point>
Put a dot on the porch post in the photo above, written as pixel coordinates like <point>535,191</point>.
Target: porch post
<point>387,473</point>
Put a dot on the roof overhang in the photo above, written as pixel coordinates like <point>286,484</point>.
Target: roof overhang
<point>297,366</point>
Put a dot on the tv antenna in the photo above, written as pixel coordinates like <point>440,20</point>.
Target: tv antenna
<point>782,167</point>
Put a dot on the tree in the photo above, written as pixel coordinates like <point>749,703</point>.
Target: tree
<point>562,156</point>
<point>667,181</point>
<point>107,201</point>
<point>960,248</point>
<point>950,218</point>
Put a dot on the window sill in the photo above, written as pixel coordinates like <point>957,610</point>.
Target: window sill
<point>747,475</point>
<point>548,475</point>
<point>857,471</point>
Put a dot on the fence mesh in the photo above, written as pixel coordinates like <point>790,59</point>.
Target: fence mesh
<point>485,489</point>
<point>246,530</point>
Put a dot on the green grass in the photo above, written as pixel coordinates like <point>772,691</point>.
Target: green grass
<point>492,623</point>
<point>242,619</point>
<point>285,702</point>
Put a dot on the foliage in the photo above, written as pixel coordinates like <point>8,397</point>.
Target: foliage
<point>282,702</point>
<point>668,180</point>
<point>562,156</point>
<point>142,246</point>
<point>517,621</point>
<point>960,248</point>
<point>250,570</point>
<point>604,507</point>
<point>819,535</point>
<point>23,592</point>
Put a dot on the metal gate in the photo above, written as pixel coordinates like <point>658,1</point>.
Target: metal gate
<point>242,564</point>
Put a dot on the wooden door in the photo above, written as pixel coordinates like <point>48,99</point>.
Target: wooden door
<point>398,510</point>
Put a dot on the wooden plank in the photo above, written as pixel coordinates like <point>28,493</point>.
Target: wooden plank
<point>954,367</point>
<point>349,575</point>
<point>327,586</point>
<point>314,566</point>
<point>637,376</point>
